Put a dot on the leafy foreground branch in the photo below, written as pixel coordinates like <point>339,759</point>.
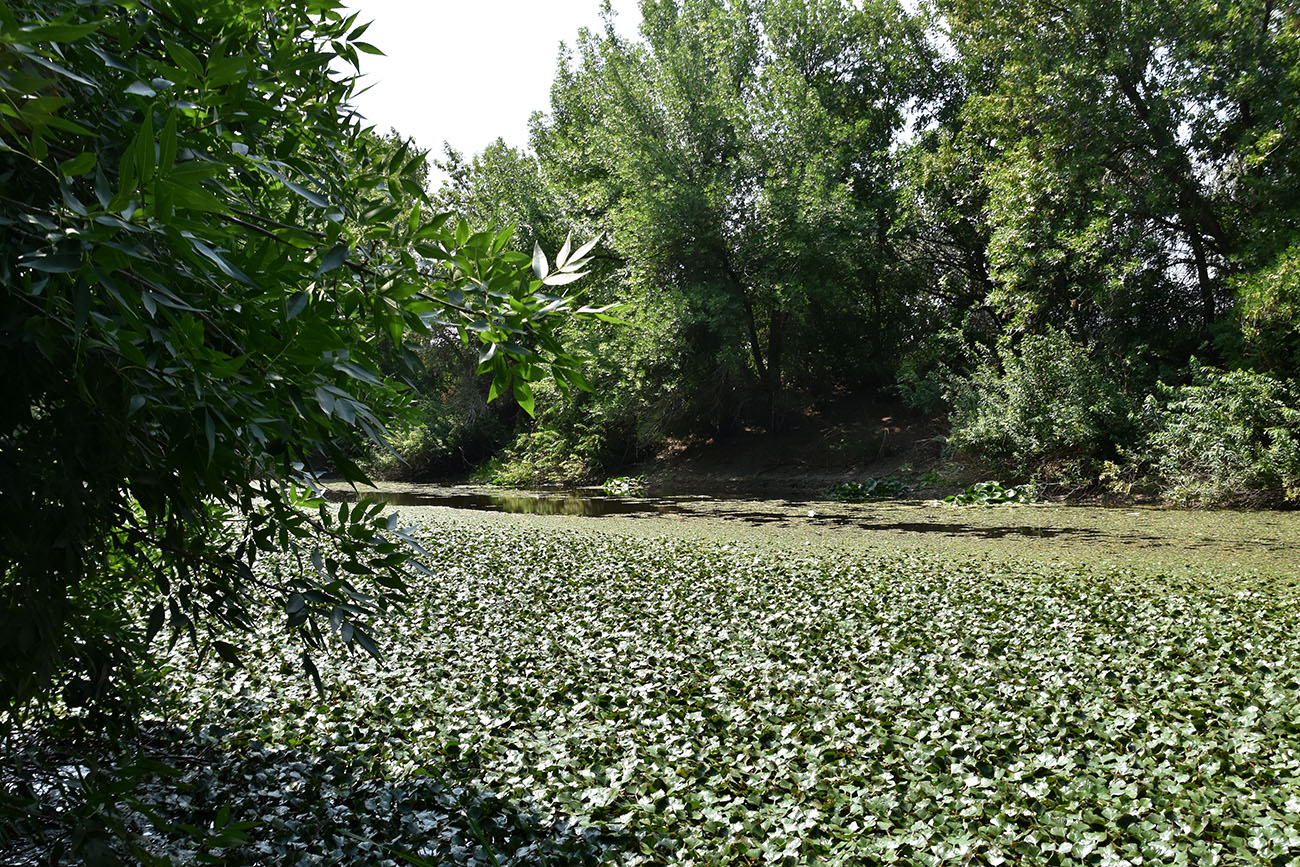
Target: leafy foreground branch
<point>212,280</point>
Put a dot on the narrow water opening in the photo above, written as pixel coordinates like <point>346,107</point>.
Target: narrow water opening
<point>594,506</point>
<point>567,503</point>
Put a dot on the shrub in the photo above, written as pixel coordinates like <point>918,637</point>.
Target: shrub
<point>1050,410</point>
<point>1229,438</point>
<point>868,489</point>
<point>542,457</point>
<point>991,494</point>
<point>448,433</point>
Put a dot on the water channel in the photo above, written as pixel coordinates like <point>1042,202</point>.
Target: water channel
<point>1232,539</point>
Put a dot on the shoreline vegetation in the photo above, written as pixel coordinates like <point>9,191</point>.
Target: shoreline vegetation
<point>1063,237</point>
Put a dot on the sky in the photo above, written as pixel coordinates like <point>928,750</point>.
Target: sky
<point>469,71</point>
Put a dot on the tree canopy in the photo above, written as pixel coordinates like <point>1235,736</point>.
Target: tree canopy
<point>739,156</point>
<point>808,198</point>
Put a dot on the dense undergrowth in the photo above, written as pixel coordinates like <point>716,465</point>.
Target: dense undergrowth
<point>571,697</point>
<point>1049,413</point>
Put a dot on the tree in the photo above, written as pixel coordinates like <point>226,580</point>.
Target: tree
<point>503,185</point>
<point>1136,157</point>
<point>205,262</point>
<point>740,155</point>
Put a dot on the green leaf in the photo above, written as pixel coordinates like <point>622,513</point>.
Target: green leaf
<point>228,652</point>
<point>168,142</point>
<point>581,252</point>
<point>524,397</point>
<point>309,666</point>
<point>155,622</point>
<point>563,256</point>
<point>314,199</point>
<point>297,304</point>
<point>210,432</point>
<point>54,32</point>
<point>540,268</point>
<point>82,164</point>
<point>128,181</point>
<point>220,261</point>
<point>559,279</point>
<point>360,636</point>
<point>184,58</point>
<point>333,259</point>
<point>502,238</point>
<point>145,148</point>
<point>58,263</point>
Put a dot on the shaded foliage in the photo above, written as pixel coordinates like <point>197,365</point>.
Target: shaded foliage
<point>207,266</point>
<point>221,798</point>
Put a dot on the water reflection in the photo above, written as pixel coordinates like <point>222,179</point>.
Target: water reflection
<point>531,504</point>
<point>594,506</point>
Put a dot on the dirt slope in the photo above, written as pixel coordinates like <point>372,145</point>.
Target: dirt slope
<point>846,439</point>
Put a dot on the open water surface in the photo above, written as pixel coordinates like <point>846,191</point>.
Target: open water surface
<point>540,503</point>
<point>1222,539</point>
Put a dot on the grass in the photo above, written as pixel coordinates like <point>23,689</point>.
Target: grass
<point>561,694</point>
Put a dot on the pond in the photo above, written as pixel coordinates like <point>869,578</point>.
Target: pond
<point>1128,536</point>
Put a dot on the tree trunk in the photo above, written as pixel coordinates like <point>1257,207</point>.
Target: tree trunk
<point>1202,275</point>
<point>1177,170</point>
<point>755,345</point>
<point>775,349</point>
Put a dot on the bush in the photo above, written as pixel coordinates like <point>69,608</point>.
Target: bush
<point>450,432</point>
<point>869,489</point>
<point>542,457</point>
<point>1226,439</point>
<point>1051,410</point>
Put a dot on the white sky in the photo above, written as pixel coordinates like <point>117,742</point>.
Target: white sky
<point>469,71</point>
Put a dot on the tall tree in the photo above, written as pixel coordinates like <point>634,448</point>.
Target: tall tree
<point>1137,154</point>
<point>741,152</point>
